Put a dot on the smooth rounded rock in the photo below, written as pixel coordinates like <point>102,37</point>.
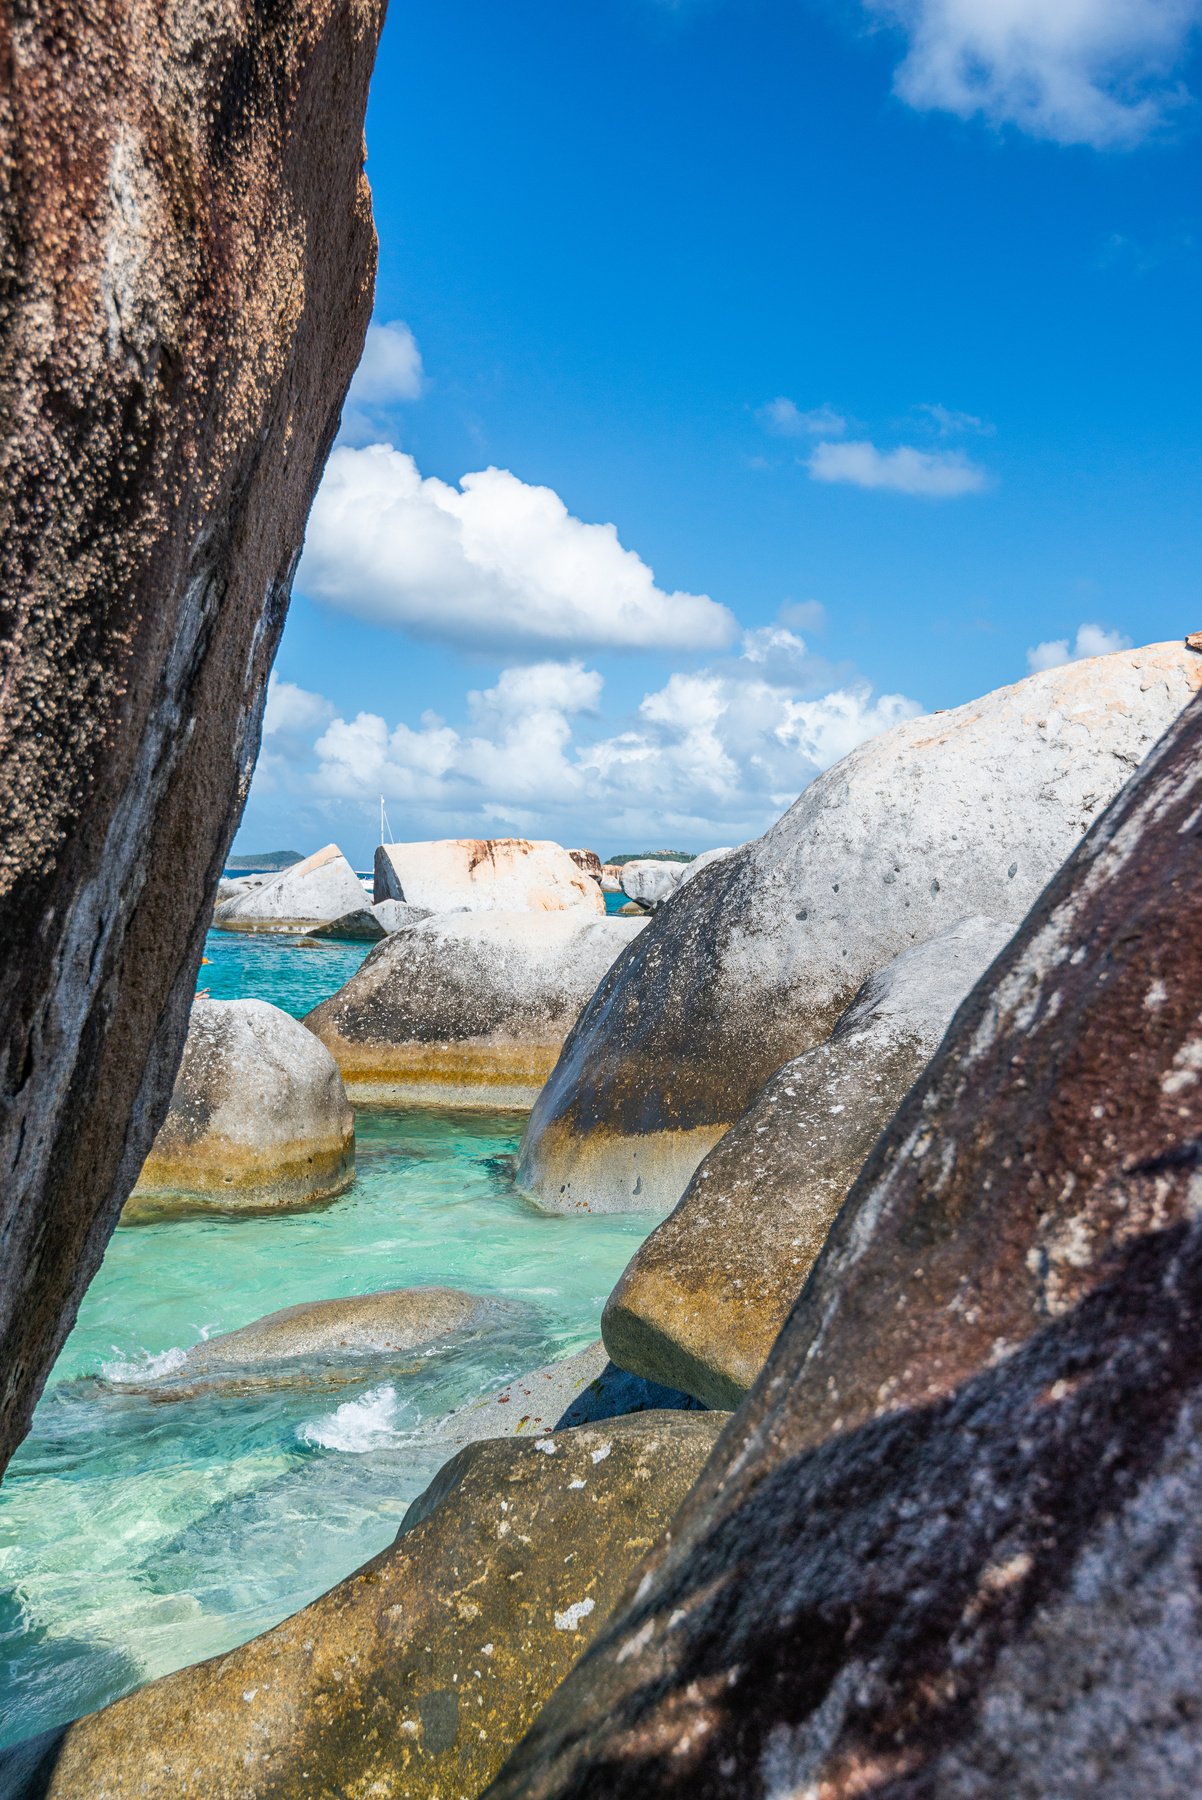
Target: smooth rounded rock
<point>468,1009</point>
<point>957,813</point>
<point>420,1672</point>
<point>701,1302</point>
<point>396,1319</point>
<point>485,874</point>
<point>259,1119</point>
<point>649,882</point>
<point>322,888</point>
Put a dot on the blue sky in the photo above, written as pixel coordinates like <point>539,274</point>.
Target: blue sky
<point>868,330</point>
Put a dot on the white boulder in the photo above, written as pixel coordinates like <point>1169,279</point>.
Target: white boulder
<point>485,875</point>
<point>649,882</point>
<point>957,813</point>
<point>322,888</point>
<point>259,1120</point>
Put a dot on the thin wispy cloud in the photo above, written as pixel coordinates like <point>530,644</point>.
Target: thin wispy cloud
<point>783,417</point>
<point>1106,73</point>
<point>950,423</point>
<point>492,561</point>
<point>1091,640</point>
<point>930,474</point>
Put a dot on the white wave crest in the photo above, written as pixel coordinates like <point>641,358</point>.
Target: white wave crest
<point>144,1365</point>
<point>368,1423</point>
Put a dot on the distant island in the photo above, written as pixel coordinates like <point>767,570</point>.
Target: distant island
<point>681,856</point>
<point>270,859</point>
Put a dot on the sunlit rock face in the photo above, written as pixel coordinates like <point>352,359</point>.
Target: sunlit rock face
<point>487,874</point>
<point>258,1122</point>
<point>702,1300</point>
<point>187,256</point>
<point>951,1543</point>
<point>467,1009</point>
<point>320,890</point>
<point>967,812</point>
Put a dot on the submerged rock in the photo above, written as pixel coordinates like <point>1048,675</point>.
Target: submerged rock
<point>322,888</point>
<point>702,1300</point>
<point>951,1545</point>
<point>395,1319</point>
<point>259,1119</point>
<point>485,874</point>
<point>468,1009</point>
<point>417,1674</point>
<point>964,812</point>
<point>187,260</point>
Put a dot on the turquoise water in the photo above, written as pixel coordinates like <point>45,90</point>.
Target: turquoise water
<point>141,1531</point>
<point>255,966</point>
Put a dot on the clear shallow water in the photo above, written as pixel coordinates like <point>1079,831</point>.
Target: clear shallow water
<point>256,966</point>
<point>140,1532</point>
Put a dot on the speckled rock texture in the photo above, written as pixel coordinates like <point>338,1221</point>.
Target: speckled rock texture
<point>259,1120</point>
<point>751,963</point>
<point>951,1544</point>
<point>187,260</point>
<point>702,1300</point>
<point>417,1674</point>
<point>467,1009</point>
<point>322,888</point>
<point>485,874</point>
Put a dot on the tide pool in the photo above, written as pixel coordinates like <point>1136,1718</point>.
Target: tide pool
<point>140,1532</point>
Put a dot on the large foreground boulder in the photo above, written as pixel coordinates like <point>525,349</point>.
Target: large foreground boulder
<point>467,1010</point>
<point>964,812</point>
<point>951,1546</point>
<point>417,1674</point>
<point>702,1300</point>
<point>322,888</point>
<point>486,874</point>
<point>259,1120</point>
<point>187,257</point>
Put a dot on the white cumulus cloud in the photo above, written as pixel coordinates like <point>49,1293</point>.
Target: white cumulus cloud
<point>491,561</point>
<point>1097,72</point>
<point>390,368</point>
<point>292,711</point>
<point>1091,640</point>
<point>714,754</point>
<point>935,474</point>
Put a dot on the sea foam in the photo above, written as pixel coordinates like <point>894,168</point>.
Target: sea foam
<point>368,1423</point>
<point>144,1365</point>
